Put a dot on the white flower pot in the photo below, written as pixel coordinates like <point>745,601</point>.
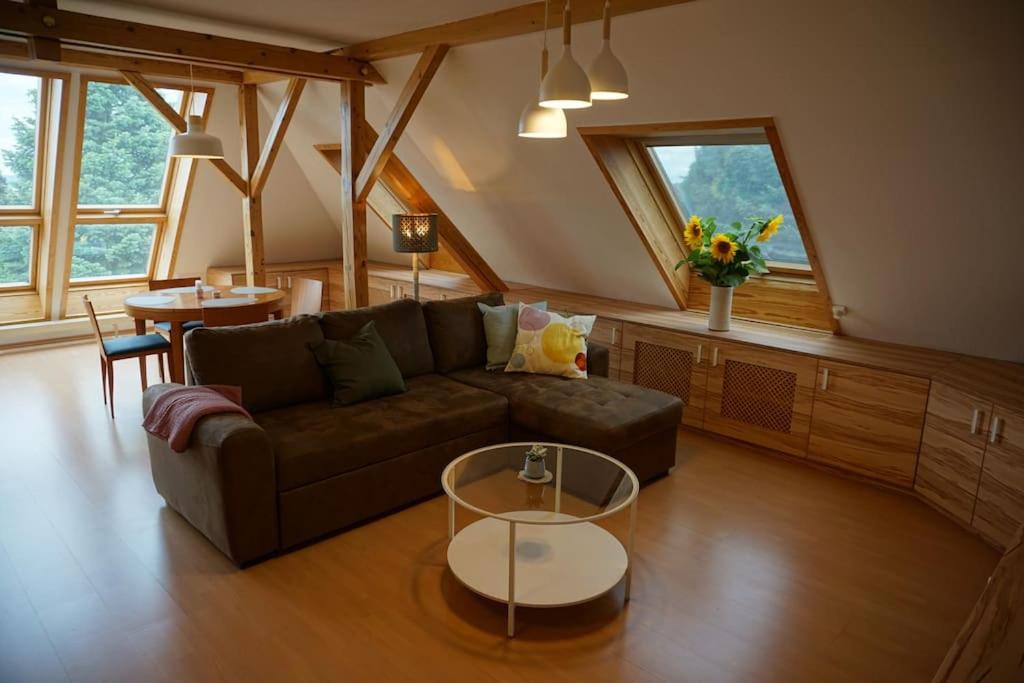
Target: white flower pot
<point>721,308</point>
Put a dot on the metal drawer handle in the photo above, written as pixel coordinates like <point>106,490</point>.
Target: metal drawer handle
<point>993,435</point>
<point>975,420</point>
<point>714,357</point>
<point>824,379</point>
<point>614,331</point>
<point>700,353</point>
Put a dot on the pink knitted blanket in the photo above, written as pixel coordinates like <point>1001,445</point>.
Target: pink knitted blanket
<point>175,412</point>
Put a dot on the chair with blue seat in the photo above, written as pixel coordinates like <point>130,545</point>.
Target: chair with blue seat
<point>163,327</point>
<point>138,346</point>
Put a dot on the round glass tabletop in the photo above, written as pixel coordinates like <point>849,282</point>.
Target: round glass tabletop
<point>578,484</point>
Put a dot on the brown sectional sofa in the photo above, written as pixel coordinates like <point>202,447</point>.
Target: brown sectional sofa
<point>305,468</point>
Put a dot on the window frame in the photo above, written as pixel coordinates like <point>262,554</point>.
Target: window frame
<point>708,137</point>
<point>113,215</point>
<point>33,215</point>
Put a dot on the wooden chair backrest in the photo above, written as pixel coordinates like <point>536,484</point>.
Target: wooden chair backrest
<point>155,285</point>
<point>236,315</point>
<point>307,296</point>
<point>90,310</point>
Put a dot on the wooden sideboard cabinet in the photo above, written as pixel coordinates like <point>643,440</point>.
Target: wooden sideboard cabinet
<point>868,421</point>
<point>280,275</point>
<point>952,450</point>
<point>668,361</point>
<point>760,396</point>
<point>999,511</point>
<point>608,333</point>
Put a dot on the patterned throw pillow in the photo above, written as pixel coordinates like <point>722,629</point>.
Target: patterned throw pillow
<point>500,330</point>
<point>549,344</point>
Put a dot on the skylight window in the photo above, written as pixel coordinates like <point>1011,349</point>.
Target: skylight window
<point>731,178</point>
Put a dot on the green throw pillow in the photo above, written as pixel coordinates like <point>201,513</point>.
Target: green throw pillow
<point>500,330</point>
<point>360,368</point>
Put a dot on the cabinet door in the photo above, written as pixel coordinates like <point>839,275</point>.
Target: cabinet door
<point>999,512</point>
<point>761,396</point>
<point>952,448</point>
<point>667,361</point>
<point>608,333</point>
<point>868,421</point>
<point>382,291</point>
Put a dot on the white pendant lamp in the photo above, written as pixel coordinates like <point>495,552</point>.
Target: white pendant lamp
<point>537,121</point>
<point>566,86</point>
<point>195,142</point>
<point>608,80</point>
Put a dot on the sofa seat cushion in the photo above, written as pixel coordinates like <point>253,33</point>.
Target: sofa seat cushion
<point>316,441</point>
<point>596,413</point>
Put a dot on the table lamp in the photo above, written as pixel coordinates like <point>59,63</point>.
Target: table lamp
<point>414,233</point>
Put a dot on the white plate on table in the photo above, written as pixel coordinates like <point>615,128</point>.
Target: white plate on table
<point>229,301</point>
<point>187,290</point>
<point>254,290</point>
<point>149,300</point>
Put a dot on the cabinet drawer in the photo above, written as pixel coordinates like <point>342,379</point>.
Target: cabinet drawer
<point>868,421</point>
<point>761,396</point>
<point>671,362</point>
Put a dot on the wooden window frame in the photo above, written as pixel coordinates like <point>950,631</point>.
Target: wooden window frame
<point>787,296</point>
<point>103,215</point>
<point>32,215</point>
<point>753,136</point>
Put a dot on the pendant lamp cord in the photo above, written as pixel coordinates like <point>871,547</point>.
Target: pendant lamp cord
<point>544,52</point>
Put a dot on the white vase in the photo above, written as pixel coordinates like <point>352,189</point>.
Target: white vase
<point>721,308</point>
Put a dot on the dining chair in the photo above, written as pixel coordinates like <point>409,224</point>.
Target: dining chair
<point>307,296</point>
<point>163,327</point>
<point>139,346</point>
<point>223,316</point>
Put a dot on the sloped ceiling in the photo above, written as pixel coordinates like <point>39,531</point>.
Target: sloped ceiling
<point>901,121</point>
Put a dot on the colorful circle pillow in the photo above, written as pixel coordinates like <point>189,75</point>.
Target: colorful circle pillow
<point>550,344</point>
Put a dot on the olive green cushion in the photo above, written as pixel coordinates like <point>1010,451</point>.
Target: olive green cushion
<point>500,330</point>
<point>360,368</point>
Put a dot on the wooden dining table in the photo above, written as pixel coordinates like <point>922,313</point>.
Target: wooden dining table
<point>179,305</point>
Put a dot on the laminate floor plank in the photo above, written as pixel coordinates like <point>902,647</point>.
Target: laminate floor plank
<point>748,568</point>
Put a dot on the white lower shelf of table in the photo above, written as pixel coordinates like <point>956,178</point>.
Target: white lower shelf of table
<point>556,564</point>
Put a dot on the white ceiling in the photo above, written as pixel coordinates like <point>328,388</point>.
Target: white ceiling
<point>331,22</point>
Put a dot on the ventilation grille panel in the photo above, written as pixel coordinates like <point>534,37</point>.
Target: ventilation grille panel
<point>663,368</point>
<point>758,396</point>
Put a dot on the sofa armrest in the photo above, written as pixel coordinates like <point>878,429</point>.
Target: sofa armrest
<point>224,484</point>
<point>597,359</point>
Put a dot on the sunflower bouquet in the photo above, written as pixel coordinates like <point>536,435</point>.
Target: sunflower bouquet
<point>727,259</point>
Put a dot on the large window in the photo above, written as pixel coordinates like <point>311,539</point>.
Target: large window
<point>124,178</point>
<point>731,178</point>
<point>23,100</point>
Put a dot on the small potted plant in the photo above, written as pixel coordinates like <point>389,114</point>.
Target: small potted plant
<point>534,467</point>
<point>725,260</point>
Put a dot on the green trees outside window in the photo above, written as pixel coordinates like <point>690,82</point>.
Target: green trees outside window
<point>15,254</point>
<point>733,183</point>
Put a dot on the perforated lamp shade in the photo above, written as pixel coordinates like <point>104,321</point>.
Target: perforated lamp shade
<point>414,233</point>
<point>196,143</point>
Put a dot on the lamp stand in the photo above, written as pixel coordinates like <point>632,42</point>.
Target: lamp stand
<point>416,277</point>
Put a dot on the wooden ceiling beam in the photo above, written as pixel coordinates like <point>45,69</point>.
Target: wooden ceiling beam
<point>384,147</point>
<point>139,82</point>
<point>151,66</point>
<point>404,186</point>
<point>84,29</point>
<point>514,21</point>
<point>275,138</point>
<point>47,49</point>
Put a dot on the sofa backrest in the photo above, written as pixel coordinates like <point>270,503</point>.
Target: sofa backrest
<point>456,329</point>
<point>399,323</point>
<point>273,362</point>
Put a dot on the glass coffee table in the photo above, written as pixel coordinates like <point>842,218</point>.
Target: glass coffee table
<point>537,544</point>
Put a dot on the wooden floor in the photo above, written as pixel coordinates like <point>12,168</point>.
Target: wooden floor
<point>749,568</point>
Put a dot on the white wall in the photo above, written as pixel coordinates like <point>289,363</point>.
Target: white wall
<point>901,121</point>
<point>296,226</point>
